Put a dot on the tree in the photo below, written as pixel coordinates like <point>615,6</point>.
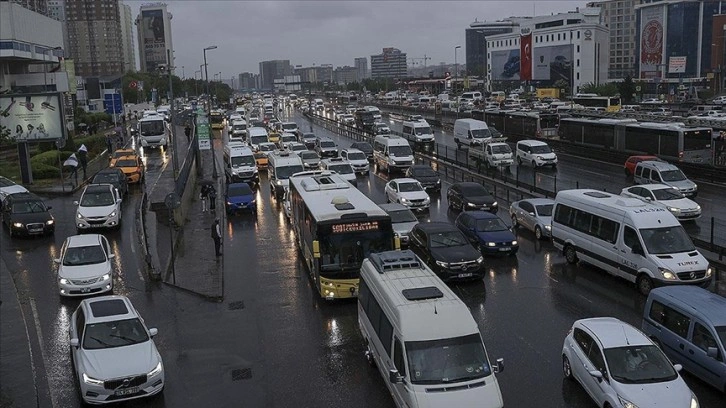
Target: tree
<point>627,90</point>
<point>608,89</point>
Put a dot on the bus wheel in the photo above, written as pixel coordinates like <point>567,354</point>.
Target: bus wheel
<point>570,254</point>
<point>369,356</point>
<point>645,284</point>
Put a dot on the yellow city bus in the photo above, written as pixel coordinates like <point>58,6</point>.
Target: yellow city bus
<point>216,119</point>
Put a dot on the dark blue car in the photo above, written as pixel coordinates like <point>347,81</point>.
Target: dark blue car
<point>240,197</point>
<point>487,232</point>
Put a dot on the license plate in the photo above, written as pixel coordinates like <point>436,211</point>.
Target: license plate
<point>465,275</point>
<point>85,290</point>
<point>505,249</point>
<point>127,391</point>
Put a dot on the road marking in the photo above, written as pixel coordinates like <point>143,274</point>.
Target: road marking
<point>51,389</point>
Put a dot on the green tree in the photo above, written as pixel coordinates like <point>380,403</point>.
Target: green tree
<point>608,89</point>
<point>627,90</point>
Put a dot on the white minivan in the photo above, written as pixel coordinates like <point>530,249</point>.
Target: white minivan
<point>421,337</point>
<point>392,153</point>
<point>626,237</point>
<point>471,132</point>
<point>535,152</point>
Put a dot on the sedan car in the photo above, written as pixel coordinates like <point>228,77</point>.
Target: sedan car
<point>26,214</point>
<point>402,220</point>
<point>113,176</point>
<point>8,187</point>
<point>425,175</point>
<point>446,251</point>
<point>487,232</point>
<point>113,352</point>
<point>239,197</point>
<point>535,214</point>
<point>310,159</point>
<point>409,192</point>
<point>84,266</point>
<point>667,197</point>
<point>469,196</point>
<point>99,207</point>
<point>619,366</point>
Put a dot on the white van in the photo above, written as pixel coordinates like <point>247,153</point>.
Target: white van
<point>658,172</point>
<point>392,153</point>
<point>256,135</point>
<point>418,131</point>
<point>471,96</point>
<point>240,164</point>
<point>536,152</point>
<point>471,132</point>
<point>153,131</point>
<point>238,131</point>
<point>422,337</point>
<point>280,166</point>
<point>627,237</point>
<point>319,104</point>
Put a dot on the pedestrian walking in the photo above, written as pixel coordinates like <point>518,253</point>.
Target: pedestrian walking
<point>109,143</point>
<point>216,231</point>
<point>72,164</point>
<point>204,195</point>
<point>83,159</point>
<point>212,198</point>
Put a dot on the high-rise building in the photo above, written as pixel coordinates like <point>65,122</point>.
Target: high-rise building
<point>391,63</point>
<point>476,42</point>
<point>57,11</point>
<point>94,37</point>
<point>247,81</point>
<point>154,35</point>
<point>361,64</point>
<point>271,70</point>
<point>39,6</point>
<point>346,75</point>
<point>127,37</point>
<point>619,16</point>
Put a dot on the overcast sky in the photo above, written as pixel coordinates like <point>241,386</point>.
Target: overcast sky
<point>328,32</point>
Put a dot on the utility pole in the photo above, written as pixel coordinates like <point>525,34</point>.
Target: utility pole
<point>174,158</point>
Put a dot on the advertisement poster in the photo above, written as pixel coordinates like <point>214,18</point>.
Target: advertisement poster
<point>32,118</point>
<point>677,65</point>
<point>552,63</point>
<point>525,50</point>
<point>651,40</point>
<point>505,65</point>
<point>154,39</point>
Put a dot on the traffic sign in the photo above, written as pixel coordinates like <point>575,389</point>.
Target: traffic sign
<point>112,103</point>
<point>133,84</point>
<point>202,123</point>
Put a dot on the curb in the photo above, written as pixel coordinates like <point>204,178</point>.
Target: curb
<point>141,229</point>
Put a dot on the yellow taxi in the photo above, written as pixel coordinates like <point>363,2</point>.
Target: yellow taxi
<point>261,160</point>
<point>120,153</point>
<point>273,137</point>
<point>132,166</point>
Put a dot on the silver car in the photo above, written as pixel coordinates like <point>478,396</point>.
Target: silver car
<point>310,159</point>
<point>535,214</point>
<point>403,220</point>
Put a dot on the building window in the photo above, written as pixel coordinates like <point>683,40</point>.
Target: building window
<point>578,48</point>
<point>578,76</point>
<point>578,62</point>
<point>578,35</point>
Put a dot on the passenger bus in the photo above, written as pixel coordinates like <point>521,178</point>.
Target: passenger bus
<point>671,140</point>
<point>592,101</point>
<point>216,119</point>
<point>337,226</point>
<point>519,124</point>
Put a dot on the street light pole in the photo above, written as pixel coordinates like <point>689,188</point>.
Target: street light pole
<point>209,107</point>
<point>456,66</point>
<point>174,151</point>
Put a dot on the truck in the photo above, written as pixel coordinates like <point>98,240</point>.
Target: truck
<point>494,152</point>
<point>364,119</point>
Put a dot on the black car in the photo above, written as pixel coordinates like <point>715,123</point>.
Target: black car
<point>469,196</point>
<point>446,251</point>
<point>113,176</point>
<point>27,214</point>
<point>425,175</point>
<point>364,147</point>
<point>308,139</point>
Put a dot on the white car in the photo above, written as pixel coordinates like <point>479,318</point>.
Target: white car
<point>719,100</point>
<point>408,192</point>
<point>99,207</point>
<point>84,266</point>
<point>620,367</point>
<point>667,197</point>
<point>8,187</point>
<point>340,166</point>
<point>310,159</point>
<point>357,159</point>
<point>651,101</point>
<point>113,353</point>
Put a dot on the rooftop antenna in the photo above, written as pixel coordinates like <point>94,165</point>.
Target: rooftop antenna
<point>627,341</point>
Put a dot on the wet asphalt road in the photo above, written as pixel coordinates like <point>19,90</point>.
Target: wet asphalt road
<point>273,343</point>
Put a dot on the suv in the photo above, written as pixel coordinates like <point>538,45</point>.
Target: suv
<point>112,352</point>
<point>446,251</point>
<point>326,147</point>
<point>535,152</point>
<point>84,266</point>
<point>113,176</point>
<point>340,166</point>
<point>99,207</point>
<point>26,214</point>
<point>650,172</point>
<point>357,159</point>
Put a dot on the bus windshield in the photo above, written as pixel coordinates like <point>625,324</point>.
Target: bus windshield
<point>151,127</point>
<point>697,139</point>
<point>548,121</point>
<point>447,360</point>
<point>345,251</point>
<point>666,240</point>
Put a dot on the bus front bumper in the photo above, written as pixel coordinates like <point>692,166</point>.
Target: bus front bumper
<point>338,289</point>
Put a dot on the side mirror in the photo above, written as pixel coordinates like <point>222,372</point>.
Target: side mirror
<point>57,260</point>
<point>712,352</point>
<point>531,213</point>
<point>596,374</point>
<point>153,331</point>
<point>677,367</point>
<point>74,343</point>
<point>75,203</point>
<point>118,201</point>
<point>499,366</point>
<point>394,377</point>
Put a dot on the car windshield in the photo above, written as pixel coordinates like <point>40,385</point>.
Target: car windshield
<point>239,127</point>
<point>122,153</point>
<point>473,191</point>
<point>502,148</point>
<point>126,163</point>
<point>490,225</point>
<point>672,175</point>
<point>343,168</point>
<point>665,194</point>
<point>106,178</point>
<point>307,155</point>
<point>327,144</point>
<point>480,133</point>
<point>447,239</point>
<point>5,182</point>
<point>544,210</point>
<point>409,187</point>
<point>639,365</point>
<point>357,156</point>
<point>151,128</point>
<point>400,151</point>
<point>256,140</point>
<point>447,360</point>
<point>284,172</point>
<point>239,161</point>
<point>114,334</point>
<point>27,207</point>
<point>423,130</point>
<point>541,149</point>
<point>84,255</point>
<point>404,215</point>
<point>240,190</point>
<point>309,136</point>
<point>97,199</point>
<point>365,147</point>
<point>667,240</point>
<point>288,138</point>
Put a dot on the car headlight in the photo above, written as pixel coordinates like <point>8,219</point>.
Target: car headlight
<point>279,182</point>
<point>694,401</point>
<point>18,224</point>
<point>438,181</point>
<point>229,203</point>
<point>91,380</point>
<point>79,216</point>
<point>156,370</point>
<point>50,222</point>
<point>480,259</point>
<point>548,227</point>
<point>427,200</point>
<point>404,200</point>
<point>106,277</point>
<point>539,157</point>
<point>674,210</point>
<point>442,264</point>
<point>113,214</point>
<point>698,208</point>
<point>495,204</point>
<point>491,244</point>
<point>667,273</point>
<point>515,242</point>
<point>695,187</point>
<point>63,281</point>
<point>626,403</point>
<point>470,205</point>
<point>709,272</point>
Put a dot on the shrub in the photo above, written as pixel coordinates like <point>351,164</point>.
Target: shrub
<point>49,158</point>
<point>44,171</point>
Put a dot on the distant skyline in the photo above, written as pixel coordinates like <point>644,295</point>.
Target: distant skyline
<point>328,32</point>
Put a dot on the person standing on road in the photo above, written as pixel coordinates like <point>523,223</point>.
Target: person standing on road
<point>217,237</point>
<point>109,144</point>
<point>83,158</point>
<point>203,195</point>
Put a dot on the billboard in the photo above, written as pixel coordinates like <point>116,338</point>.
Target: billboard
<point>525,50</point>
<point>651,39</point>
<point>153,38</point>
<point>552,63</point>
<point>505,65</point>
<point>677,65</point>
<point>32,117</point>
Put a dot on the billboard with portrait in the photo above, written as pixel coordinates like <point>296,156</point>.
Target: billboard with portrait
<point>153,38</point>
<point>552,63</point>
<point>32,117</point>
<point>505,65</point>
<point>651,40</point>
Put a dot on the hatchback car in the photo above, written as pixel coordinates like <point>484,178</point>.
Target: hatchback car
<point>240,197</point>
<point>99,207</point>
<point>487,232</point>
<point>632,161</point>
<point>133,168</point>
<point>26,214</point>
<point>667,197</point>
<point>84,266</point>
<point>469,196</point>
<point>113,176</point>
<point>402,220</point>
<point>619,366</point>
<point>425,175</point>
<point>310,159</point>
<point>446,251</point>
<point>364,147</point>
<point>357,159</point>
<point>535,152</point>
<point>408,192</point>
<point>535,214</point>
<point>113,352</point>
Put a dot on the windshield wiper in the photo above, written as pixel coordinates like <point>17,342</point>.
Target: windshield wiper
<point>130,340</point>
<point>100,341</point>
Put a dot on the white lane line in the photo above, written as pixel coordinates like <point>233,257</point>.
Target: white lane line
<point>36,319</point>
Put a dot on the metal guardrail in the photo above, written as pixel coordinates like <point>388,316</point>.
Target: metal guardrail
<point>186,167</point>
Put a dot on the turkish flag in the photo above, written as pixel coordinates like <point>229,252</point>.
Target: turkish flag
<point>525,52</point>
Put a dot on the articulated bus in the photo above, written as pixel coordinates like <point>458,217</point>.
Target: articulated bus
<point>337,227</point>
<point>590,101</point>
<point>519,124</point>
<point>216,119</point>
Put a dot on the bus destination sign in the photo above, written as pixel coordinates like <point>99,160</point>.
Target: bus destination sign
<point>355,227</point>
